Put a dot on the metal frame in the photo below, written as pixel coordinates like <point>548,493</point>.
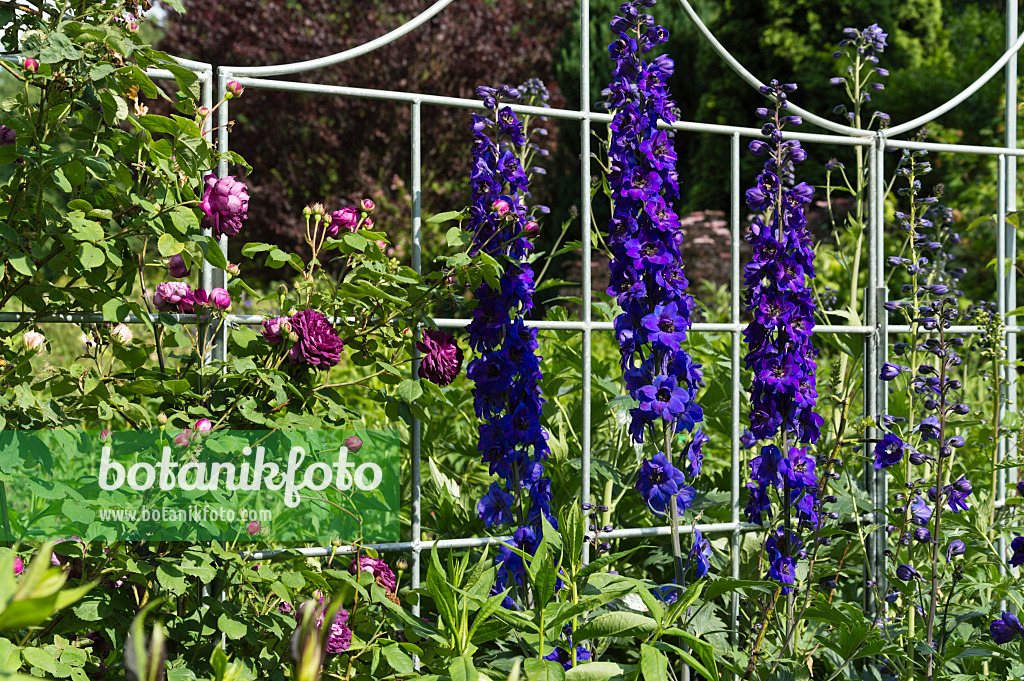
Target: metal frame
<point>875,333</point>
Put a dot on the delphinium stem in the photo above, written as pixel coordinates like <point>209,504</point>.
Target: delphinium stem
<point>938,503</point>
<point>673,514</point>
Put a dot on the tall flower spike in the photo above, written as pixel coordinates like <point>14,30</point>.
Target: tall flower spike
<point>644,234</point>
<point>506,396</point>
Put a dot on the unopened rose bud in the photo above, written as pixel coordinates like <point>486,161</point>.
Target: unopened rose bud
<point>220,299</point>
<point>307,211</point>
<point>176,266</point>
<point>253,528</point>
<point>132,26</point>
<point>286,327</point>
<point>19,565</point>
<point>500,207</point>
<point>353,444</point>
<point>183,438</point>
<point>105,435</point>
<point>368,205</point>
<point>233,270</point>
<point>33,340</point>
<point>531,229</point>
<point>402,564</point>
<point>121,334</point>
<point>161,418</point>
<point>293,337</point>
<point>382,245</point>
<point>234,89</point>
<point>203,111</point>
<point>31,65</point>
<point>292,312</point>
<point>367,223</point>
<point>204,425</point>
<point>318,209</point>
<point>282,289</point>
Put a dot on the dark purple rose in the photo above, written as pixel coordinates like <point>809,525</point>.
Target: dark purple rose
<point>318,343</point>
<point>376,567</point>
<point>340,637</point>
<point>442,357</point>
<point>7,136</point>
<point>225,203</point>
<point>274,330</point>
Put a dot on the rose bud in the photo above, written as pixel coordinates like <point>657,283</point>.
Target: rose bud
<point>204,425</point>
<point>531,229</point>
<point>220,299</point>
<point>253,528</point>
<point>33,340</point>
<point>176,267</point>
<point>353,444</point>
<point>121,334</point>
<point>234,89</point>
<point>368,205</point>
<point>31,65</point>
<point>500,207</point>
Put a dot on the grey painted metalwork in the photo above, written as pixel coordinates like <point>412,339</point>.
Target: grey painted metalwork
<point>875,332</point>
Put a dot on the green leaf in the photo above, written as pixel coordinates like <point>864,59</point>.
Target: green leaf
<point>462,669</point>
<point>169,245</point>
<point>455,237</point>
<point>398,659</point>
<point>409,390</point>
<point>90,256</point>
<point>543,670</point>
<point>653,663</point>
<point>212,252</point>
<point>598,671</point>
<point>233,629</point>
<point>444,217</point>
<point>41,658</point>
<point>619,623</point>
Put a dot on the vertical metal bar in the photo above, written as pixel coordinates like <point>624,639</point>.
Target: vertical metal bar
<point>206,99</point>
<point>585,250</point>
<point>882,348</point>
<point>1011,243</point>
<point>870,356</point>
<point>736,386</point>
<point>415,434</point>
<point>217,278</point>
<point>1002,278</point>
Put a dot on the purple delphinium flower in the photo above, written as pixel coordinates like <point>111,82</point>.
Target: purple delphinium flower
<point>889,451</point>
<point>659,481</point>
<point>694,453</point>
<point>506,372</point>
<point>700,554</point>
<point>957,492</point>
<point>907,572</point>
<point>562,656</point>
<point>1017,546</point>
<point>780,354</point>
<point>1006,628</point>
<point>225,203</point>
<point>955,548</point>
<point>644,237</point>
<point>442,357</point>
<point>318,343</point>
<point>495,508</point>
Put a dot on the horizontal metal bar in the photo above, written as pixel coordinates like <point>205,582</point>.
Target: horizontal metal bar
<point>330,60</point>
<point>954,148</point>
<point>905,328</point>
<point>568,114</point>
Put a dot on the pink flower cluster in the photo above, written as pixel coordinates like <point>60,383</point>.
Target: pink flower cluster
<point>177,296</point>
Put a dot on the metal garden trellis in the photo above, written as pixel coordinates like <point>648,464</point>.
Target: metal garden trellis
<point>875,333</point>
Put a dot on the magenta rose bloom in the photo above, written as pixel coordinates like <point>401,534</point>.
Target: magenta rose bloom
<point>173,296</point>
<point>346,219</point>
<point>442,357</point>
<point>273,330</point>
<point>340,636</point>
<point>318,343</point>
<point>376,567</point>
<point>220,299</point>
<point>225,203</point>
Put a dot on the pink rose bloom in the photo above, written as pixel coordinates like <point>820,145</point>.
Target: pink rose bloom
<point>204,425</point>
<point>173,296</point>
<point>19,565</point>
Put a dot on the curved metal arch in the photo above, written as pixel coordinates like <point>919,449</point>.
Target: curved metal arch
<point>330,60</point>
<point>839,127</point>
